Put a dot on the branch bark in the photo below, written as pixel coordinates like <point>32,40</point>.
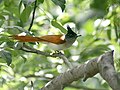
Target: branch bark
<point>104,65</point>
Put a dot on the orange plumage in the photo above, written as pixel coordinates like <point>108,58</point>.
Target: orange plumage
<point>56,39</point>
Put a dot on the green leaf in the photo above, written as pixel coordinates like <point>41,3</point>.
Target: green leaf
<point>57,25</point>
<point>25,14</point>
<point>2,19</point>
<point>6,3</point>
<point>100,5</point>
<point>7,56</point>
<point>4,39</point>
<point>10,44</point>
<point>94,51</point>
<point>109,34</point>
<point>61,3</point>
<point>27,2</point>
<point>40,1</point>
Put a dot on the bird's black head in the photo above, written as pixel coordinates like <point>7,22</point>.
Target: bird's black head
<point>70,33</point>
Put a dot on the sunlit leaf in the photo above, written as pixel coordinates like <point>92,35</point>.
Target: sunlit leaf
<point>57,25</point>
<point>25,14</point>
<point>61,3</point>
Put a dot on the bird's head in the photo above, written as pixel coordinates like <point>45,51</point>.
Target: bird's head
<point>70,33</point>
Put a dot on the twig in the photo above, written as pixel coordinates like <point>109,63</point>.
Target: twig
<point>60,55</point>
<point>116,31</point>
<point>32,50</point>
<point>32,85</point>
<point>33,16</point>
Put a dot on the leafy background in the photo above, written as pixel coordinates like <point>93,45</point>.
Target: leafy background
<point>98,21</point>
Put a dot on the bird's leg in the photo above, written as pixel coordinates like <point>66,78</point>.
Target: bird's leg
<point>57,52</point>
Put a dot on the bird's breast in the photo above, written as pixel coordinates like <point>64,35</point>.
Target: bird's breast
<point>57,46</point>
<point>60,46</point>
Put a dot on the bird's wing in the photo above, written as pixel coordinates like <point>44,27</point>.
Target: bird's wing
<point>56,39</point>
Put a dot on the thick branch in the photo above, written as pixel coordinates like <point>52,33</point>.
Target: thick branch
<point>72,75</point>
<point>86,70</point>
<point>107,70</point>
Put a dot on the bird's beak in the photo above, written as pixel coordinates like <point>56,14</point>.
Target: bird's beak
<point>79,35</point>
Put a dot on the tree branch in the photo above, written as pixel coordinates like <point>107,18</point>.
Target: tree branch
<point>60,55</point>
<point>107,70</point>
<point>103,65</point>
<point>33,16</point>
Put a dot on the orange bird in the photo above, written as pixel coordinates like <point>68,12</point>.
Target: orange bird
<point>55,42</point>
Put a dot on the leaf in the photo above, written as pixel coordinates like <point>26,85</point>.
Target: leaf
<point>61,3</point>
<point>100,5</point>
<point>109,34</point>
<point>10,44</point>
<point>7,56</point>
<point>57,25</point>
<point>27,2</point>
<point>40,1</point>
<point>94,51</point>
<point>4,38</point>
<point>25,14</point>
<point>2,19</point>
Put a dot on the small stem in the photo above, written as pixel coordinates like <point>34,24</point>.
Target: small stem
<point>33,16</point>
<point>116,31</point>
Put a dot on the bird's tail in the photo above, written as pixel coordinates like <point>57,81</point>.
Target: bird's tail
<point>26,38</point>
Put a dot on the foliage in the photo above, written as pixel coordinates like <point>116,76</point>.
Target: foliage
<point>98,21</point>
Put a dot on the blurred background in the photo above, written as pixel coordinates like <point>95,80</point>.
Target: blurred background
<point>98,21</point>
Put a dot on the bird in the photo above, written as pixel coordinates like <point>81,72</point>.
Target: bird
<point>55,42</point>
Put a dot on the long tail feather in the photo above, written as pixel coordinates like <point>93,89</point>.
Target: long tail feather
<point>26,38</point>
